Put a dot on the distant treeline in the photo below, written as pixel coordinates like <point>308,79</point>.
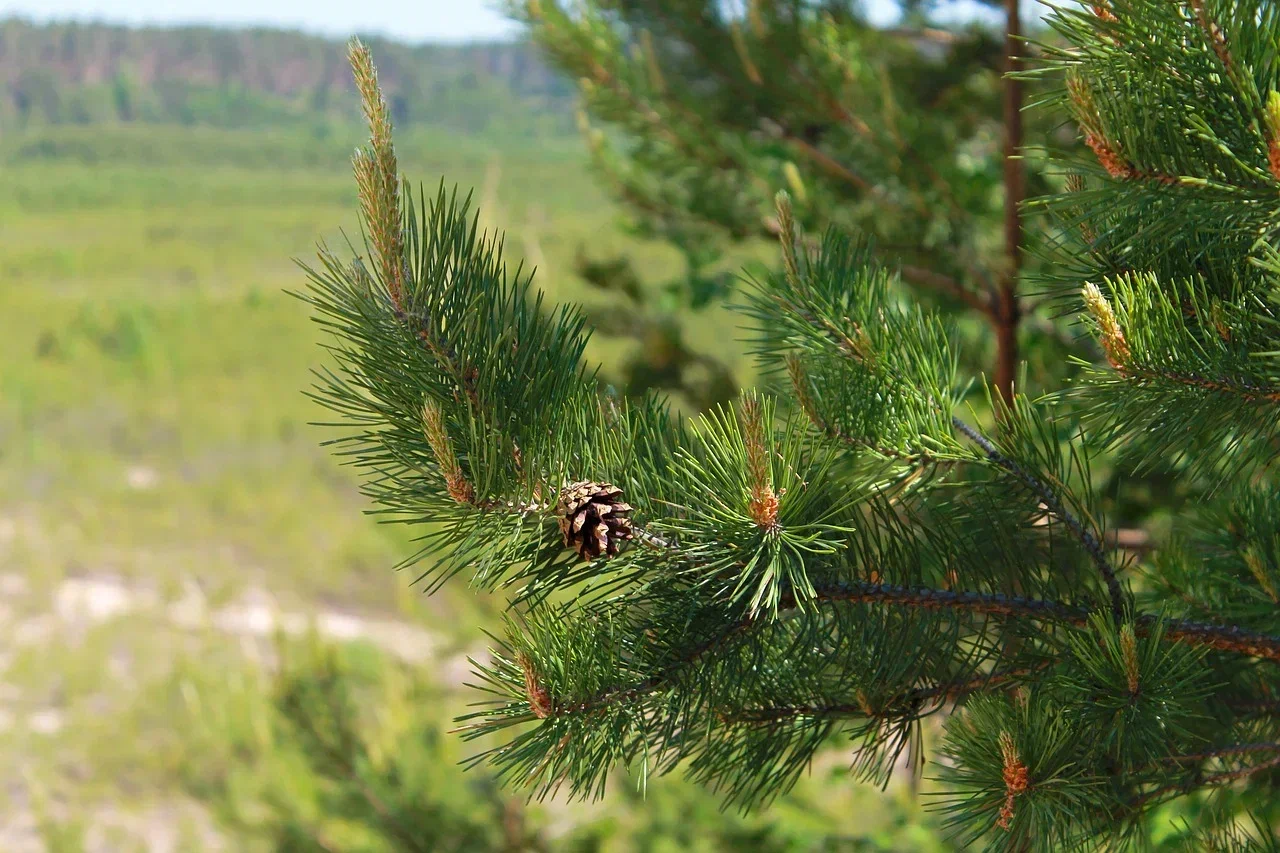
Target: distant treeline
<point>92,73</point>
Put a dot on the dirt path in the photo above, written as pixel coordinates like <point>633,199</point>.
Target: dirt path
<point>78,604</point>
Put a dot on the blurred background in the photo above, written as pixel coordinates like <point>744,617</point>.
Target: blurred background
<point>202,642</point>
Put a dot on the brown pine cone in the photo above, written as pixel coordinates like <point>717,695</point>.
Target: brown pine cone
<point>593,518</point>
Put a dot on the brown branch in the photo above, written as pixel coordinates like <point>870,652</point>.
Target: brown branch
<point>1221,638</point>
<point>1055,506</point>
<point>830,165</point>
<point>909,702</point>
<point>1186,787</point>
<point>1245,391</point>
<point>946,284</point>
<point>1236,749</point>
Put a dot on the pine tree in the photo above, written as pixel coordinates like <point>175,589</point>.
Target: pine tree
<point>851,550</point>
<point>704,109</point>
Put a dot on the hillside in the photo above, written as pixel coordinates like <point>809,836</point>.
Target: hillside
<point>235,78</point>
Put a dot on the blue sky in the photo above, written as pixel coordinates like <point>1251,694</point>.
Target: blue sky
<point>407,20</point>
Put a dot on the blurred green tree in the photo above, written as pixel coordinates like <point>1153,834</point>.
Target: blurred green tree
<point>909,133</point>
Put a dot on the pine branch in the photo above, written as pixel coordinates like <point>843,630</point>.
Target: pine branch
<point>804,398</point>
<point>946,284</point>
<point>914,275</point>
<point>908,703</point>
<point>1055,506</point>
<point>1219,752</point>
<point>1196,783</point>
<point>1221,638</point>
<point>1246,391</point>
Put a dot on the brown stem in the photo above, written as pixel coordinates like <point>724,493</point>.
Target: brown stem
<point>830,165</point>
<point>946,284</point>
<point>1195,783</point>
<point>1006,314</point>
<point>1222,638</point>
<point>908,702</point>
<point>1055,506</point>
<point>1244,390</point>
<point>1235,749</point>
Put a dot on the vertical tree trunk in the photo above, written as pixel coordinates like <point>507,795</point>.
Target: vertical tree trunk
<point>1006,313</point>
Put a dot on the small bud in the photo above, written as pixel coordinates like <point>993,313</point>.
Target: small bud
<point>1129,657</point>
<point>1113,340</point>
<point>540,702</point>
<point>1086,114</point>
<point>433,427</point>
<point>794,181</point>
<point>1272,112</point>
<point>1110,159</point>
<point>800,385</point>
<point>787,236</point>
<point>1258,569</point>
<point>762,502</point>
<point>1016,779</point>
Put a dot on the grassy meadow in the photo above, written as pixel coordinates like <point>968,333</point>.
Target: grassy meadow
<point>165,508</point>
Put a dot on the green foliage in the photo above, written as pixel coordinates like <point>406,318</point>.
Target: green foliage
<point>917,561</point>
<point>987,744</point>
<point>1128,687</point>
<point>717,517</point>
<point>1181,234</point>
<point>705,110</point>
<point>882,368</point>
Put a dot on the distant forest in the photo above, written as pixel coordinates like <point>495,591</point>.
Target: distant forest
<point>92,73</point>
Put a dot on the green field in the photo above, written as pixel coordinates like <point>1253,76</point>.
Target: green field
<point>165,507</point>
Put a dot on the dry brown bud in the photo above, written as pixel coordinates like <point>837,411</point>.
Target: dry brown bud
<point>762,501</point>
<point>1273,133</point>
<point>1016,779</point>
<point>1129,655</point>
<point>540,701</point>
<point>433,427</point>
